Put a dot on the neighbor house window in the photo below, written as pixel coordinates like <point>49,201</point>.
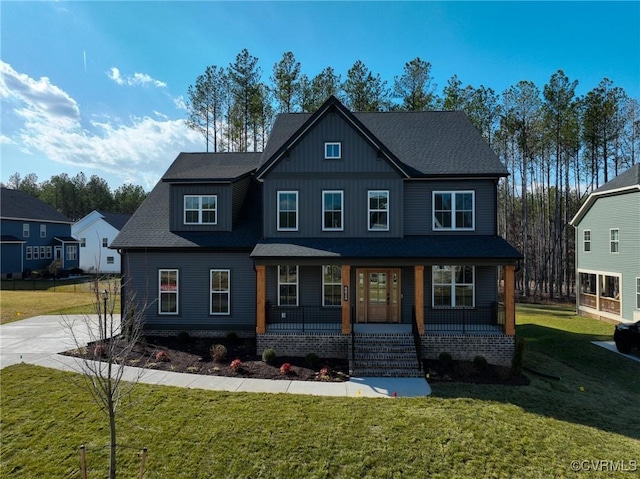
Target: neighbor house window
<point>588,283</point>
<point>287,211</point>
<point>453,286</point>
<point>637,293</point>
<point>72,252</point>
<point>609,286</point>
<point>43,231</point>
<point>332,207</point>
<point>200,209</point>
<point>25,230</point>
<point>43,252</point>
<point>331,285</point>
<point>220,291</point>
<point>48,252</point>
<point>29,252</point>
<point>105,242</point>
<point>378,210</point>
<point>586,240</point>
<point>36,252</point>
<point>83,242</point>
<point>168,291</point>
<point>110,260</point>
<point>614,240</point>
<point>288,285</point>
<point>453,210</point>
<point>332,151</point>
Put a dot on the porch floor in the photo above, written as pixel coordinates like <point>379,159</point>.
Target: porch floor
<point>383,328</point>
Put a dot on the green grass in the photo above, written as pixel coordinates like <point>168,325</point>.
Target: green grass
<point>465,431</point>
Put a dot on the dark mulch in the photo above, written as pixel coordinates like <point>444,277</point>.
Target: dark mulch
<point>192,355</point>
<point>467,372</point>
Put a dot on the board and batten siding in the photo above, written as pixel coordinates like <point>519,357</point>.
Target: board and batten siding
<point>141,275</point>
<point>224,214</point>
<point>621,212</point>
<point>418,208</point>
<point>239,192</point>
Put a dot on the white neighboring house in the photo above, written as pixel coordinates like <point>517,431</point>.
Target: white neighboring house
<point>95,232</point>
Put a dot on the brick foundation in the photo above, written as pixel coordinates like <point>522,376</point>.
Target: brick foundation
<point>325,345</point>
<point>496,348</point>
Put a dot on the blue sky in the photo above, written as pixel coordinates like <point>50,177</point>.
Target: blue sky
<point>98,87</point>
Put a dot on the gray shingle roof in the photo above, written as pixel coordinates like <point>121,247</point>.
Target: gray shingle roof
<point>438,247</point>
<point>631,177</point>
<point>117,220</point>
<point>211,166</point>
<point>18,204</point>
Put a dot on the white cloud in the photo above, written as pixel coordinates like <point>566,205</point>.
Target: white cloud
<point>5,140</point>
<point>137,79</point>
<point>179,103</point>
<point>138,150</point>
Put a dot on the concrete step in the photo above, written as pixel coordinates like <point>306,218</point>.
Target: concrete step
<point>387,372</point>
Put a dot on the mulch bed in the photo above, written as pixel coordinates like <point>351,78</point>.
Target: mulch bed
<point>467,372</point>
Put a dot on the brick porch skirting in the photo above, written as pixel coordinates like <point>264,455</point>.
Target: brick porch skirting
<point>496,348</point>
<point>325,345</point>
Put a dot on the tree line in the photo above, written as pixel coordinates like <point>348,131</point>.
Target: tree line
<point>558,146</point>
<point>75,197</point>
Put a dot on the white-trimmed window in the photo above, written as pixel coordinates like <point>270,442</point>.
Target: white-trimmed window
<point>29,254</point>
<point>614,240</point>
<point>110,260</point>
<point>72,252</point>
<point>220,292</point>
<point>287,211</point>
<point>43,252</point>
<point>331,285</point>
<point>105,242</point>
<point>378,209</point>
<point>48,252</point>
<point>332,150</point>
<point>586,241</point>
<point>288,285</point>
<point>453,210</point>
<point>453,286</point>
<point>168,288</point>
<point>36,252</point>
<point>83,242</point>
<point>200,209</point>
<point>25,230</point>
<point>332,208</point>
<point>43,231</point>
<point>609,286</point>
<point>637,293</point>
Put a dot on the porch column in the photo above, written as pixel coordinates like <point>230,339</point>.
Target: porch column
<point>261,326</point>
<point>346,299</point>
<point>418,273</point>
<point>509,300</point>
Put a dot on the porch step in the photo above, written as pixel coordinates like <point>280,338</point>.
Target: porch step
<point>385,355</point>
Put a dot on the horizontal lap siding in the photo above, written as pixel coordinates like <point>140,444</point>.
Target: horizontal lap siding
<point>142,276</point>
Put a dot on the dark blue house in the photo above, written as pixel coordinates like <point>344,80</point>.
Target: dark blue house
<point>351,231</point>
<point>35,236</point>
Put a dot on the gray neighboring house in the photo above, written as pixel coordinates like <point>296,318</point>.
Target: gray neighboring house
<point>349,233</point>
<point>607,229</point>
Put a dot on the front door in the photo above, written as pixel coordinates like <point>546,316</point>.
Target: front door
<point>378,295</point>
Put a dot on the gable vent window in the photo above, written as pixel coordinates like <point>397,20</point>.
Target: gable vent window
<point>332,151</point>
<point>200,209</point>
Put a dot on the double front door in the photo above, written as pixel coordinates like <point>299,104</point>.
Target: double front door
<point>378,295</point>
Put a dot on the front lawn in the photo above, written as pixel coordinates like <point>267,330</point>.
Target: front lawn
<point>463,431</point>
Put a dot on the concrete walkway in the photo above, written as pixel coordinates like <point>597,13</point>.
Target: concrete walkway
<point>39,340</point>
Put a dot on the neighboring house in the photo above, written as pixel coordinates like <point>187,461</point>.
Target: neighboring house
<point>95,232</point>
<point>349,229</point>
<point>607,230</point>
<point>35,236</point>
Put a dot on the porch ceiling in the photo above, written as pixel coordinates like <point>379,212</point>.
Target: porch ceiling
<point>484,249</point>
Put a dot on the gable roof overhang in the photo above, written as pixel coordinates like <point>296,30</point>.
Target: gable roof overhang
<point>332,105</point>
<point>593,197</point>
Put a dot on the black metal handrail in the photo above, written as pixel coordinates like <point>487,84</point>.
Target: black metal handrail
<point>416,337</point>
<point>303,318</point>
<point>478,319</point>
<point>353,334</point>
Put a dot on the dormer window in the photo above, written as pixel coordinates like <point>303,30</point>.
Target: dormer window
<point>332,150</point>
<point>200,209</point>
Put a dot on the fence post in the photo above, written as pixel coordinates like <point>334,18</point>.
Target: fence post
<point>143,459</point>
<point>83,462</point>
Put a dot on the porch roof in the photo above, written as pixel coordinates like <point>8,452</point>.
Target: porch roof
<point>433,247</point>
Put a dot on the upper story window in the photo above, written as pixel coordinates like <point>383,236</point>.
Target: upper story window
<point>614,240</point>
<point>43,231</point>
<point>105,242</point>
<point>200,209</point>
<point>378,205</point>
<point>332,208</point>
<point>168,291</point>
<point>453,210</point>
<point>332,150</point>
<point>586,241</point>
<point>287,211</point>
<point>83,242</point>
<point>25,230</point>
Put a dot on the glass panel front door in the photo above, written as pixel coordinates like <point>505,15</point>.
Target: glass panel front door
<point>378,295</point>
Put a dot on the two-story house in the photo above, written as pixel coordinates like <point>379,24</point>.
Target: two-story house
<point>348,228</point>
<point>35,236</point>
<point>607,232</point>
<point>95,232</point>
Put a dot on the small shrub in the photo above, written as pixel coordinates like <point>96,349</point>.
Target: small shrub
<point>445,358</point>
<point>518,358</point>
<point>236,364</point>
<point>312,360</point>
<point>218,352</point>
<point>99,350</point>
<point>162,357</point>
<point>285,368</point>
<point>325,372</point>
<point>480,362</point>
<point>232,337</point>
<point>183,337</point>
<point>269,355</point>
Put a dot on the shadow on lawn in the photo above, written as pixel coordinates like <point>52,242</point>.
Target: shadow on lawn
<point>597,387</point>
